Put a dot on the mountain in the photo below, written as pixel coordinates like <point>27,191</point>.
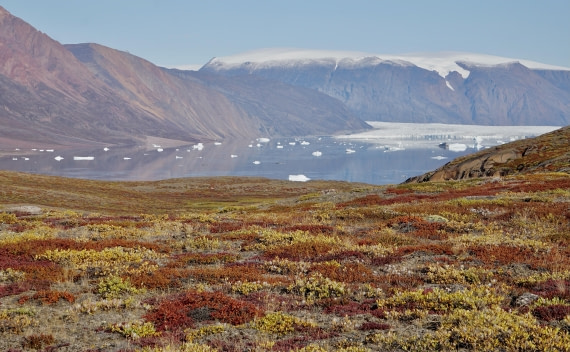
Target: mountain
<point>86,94</point>
<point>549,152</point>
<point>445,88</point>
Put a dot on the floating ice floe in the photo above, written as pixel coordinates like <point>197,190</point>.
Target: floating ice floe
<point>199,146</point>
<point>263,140</point>
<point>457,147</point>
<point>257,162</point>
<point>126,158</point>
<point>439,157</point>
<point>317,153</point>
<point>178,157</point>
<point>250,145</point>
<point>292,143</point>
<point>395,149</point>
<point>233,156</point>
<point>83,158</point>
<point>50,150</point>
<point>160,150</point>
<point>26,158</point>
<point>350,151</point>
<point>305,143</point>
<point>156,145</point>
<point>217,143</point>
<point>106,149</point>
<point>14,159</point>
<point>299,178</point>
<point>279,147</point>
<point>58,158</point>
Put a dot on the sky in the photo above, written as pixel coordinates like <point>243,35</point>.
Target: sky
<point>188,33</point>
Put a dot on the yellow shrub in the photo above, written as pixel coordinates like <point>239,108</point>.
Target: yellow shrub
<point>193,334</point>
<point>279,323</point>
<point>109,260</point>
<point>134,330</point>
<point>317,286</point>
<point>441,300</point>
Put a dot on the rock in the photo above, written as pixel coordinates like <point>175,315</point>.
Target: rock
<point>26,209</point>
<point>525,299</point>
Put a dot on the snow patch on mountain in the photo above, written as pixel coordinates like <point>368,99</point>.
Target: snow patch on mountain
<point>443,63</point>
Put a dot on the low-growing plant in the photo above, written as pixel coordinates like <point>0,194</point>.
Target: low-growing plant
<point>247,287</point>
<point>316,286</point>
<point>491,329</point>
<point>280,323</point>
<point>194,334</point>
<point>37,341</point>
<point>114,286</point>
<point>134,330</point>
<point>17,320</point>
<point>440,300</point>
<point>182,311</point>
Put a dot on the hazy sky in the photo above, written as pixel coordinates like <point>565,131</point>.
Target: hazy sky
<point>184,32</point>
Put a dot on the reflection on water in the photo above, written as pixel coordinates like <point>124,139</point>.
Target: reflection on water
<point>316,158</point>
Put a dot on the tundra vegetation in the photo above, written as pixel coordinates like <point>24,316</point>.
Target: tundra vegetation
<point>249,264</point>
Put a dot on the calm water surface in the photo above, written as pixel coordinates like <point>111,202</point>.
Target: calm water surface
<point>323,158</point>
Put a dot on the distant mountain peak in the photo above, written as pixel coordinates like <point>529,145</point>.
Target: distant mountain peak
<point>442,62</point>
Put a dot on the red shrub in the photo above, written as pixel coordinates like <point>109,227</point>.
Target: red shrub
<point>161,278</point>
<point>553,288</point>
<point>299,251</point>
<point>553,312</point>
<point>311,228</point>
<point>182,311</point>
<point>348,272</point>
<point>370,325</point>
<point>51,297</point>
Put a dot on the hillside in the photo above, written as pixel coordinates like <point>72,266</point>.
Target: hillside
<point>546,153</point>
<point>88,94</point>
<point>423,88</point>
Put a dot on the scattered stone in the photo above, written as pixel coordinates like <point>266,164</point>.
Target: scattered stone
<point>526,299</point>
<point>26,209</point>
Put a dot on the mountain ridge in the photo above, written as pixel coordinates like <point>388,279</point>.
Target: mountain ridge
<point>449,89</point>
<point>88,94</point>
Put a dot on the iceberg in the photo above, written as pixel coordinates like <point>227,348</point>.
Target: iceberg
<point>317,153</point>
<point>83,158</point>
<point>58,158</point>
<point>299,178</point>
<point>457,147</point>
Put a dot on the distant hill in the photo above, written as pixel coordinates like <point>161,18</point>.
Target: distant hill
<point>548,152</point>
<point>87,94</point>
<point>444,88</point>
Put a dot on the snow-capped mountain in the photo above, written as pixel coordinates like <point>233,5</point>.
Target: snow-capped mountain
<point>446,87</point>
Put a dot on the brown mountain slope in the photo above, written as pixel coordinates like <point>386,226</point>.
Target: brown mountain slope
<point>548,152</point>
<point>182,104</point>
<point>85,94</point>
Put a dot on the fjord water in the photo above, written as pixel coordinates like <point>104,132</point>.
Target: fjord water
<point>276,159</point>
<point>389,158</point>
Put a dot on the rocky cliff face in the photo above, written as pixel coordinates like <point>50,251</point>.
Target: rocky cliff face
<point>88,94</point>
<point>495,91</point>
<point>549,152</point>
